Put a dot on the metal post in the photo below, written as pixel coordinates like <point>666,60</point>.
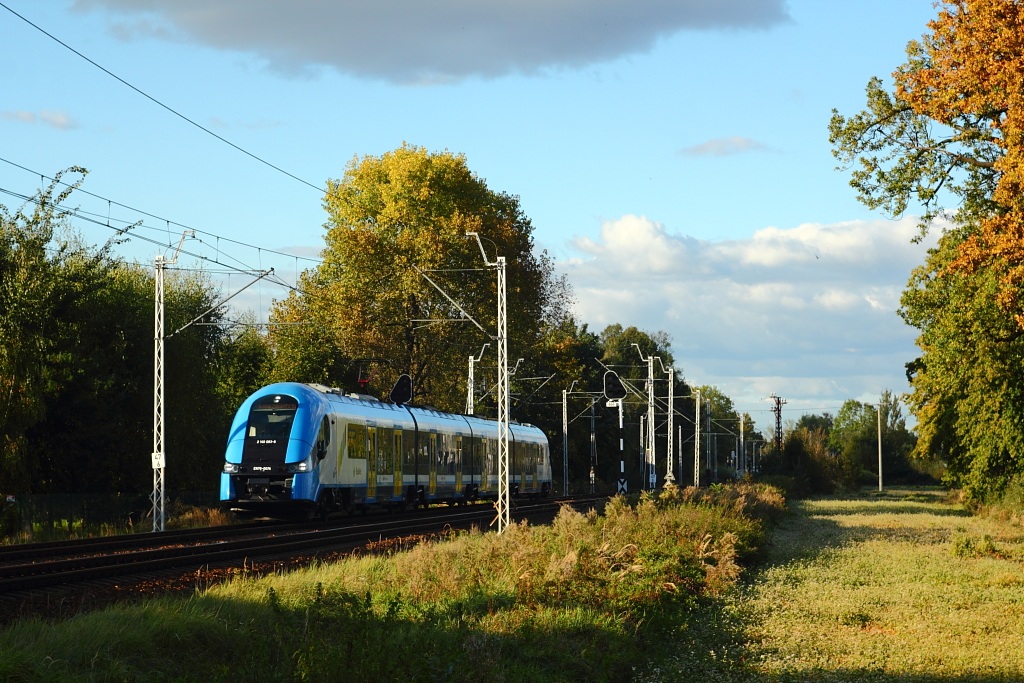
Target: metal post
<point>669,477</point>
<point>470,382</point>
<point>713,468</point>
<point>470,398</point>
<point>643,440</point>
<point>593,447</point>
<point>623,484</point>
<point>696,440</point>
<point>158,456</point>
<point>504,504</point>
<point>651,477</point>
<point>565,442</point>
<point>743,452</point>
<point>158,397</point>
<point>679,448</point>
<point>879,447</point>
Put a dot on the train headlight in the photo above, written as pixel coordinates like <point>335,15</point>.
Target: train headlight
<point>230,468</point>
<point>304,466</point>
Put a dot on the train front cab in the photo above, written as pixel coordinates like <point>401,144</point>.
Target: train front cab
<point>278,439</point>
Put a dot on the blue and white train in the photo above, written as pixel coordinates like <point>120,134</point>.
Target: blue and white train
<point>309,449</point>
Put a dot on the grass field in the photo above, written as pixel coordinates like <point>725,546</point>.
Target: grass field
<point>901,586</point>
<point>896,586</point>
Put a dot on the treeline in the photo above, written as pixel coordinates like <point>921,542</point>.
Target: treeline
<point>823,453</point>
<point>77,340</point>
<point>407,286</point>
<point>76,363</point>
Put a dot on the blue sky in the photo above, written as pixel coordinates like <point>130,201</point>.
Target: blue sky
<point>672,155</point>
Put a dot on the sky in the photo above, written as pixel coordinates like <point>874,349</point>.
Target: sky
<point>672,155</point>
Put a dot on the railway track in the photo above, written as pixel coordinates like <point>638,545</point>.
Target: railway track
<point>42,573</point>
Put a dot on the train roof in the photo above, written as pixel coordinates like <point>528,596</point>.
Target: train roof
<point>374,408</point>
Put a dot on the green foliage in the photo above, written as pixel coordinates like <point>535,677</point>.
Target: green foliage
<point>949,136</point>
<point>76,363</point>
<point>245,363</point>
<point>825,453</point>
<point>392,220</point>
<point>587,598</point>
<point>46,282</point>
<point>966,546</point>
<point>897,156</point>
<point>966,385</point>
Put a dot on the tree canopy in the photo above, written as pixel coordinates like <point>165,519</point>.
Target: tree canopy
<point>402,282</point>
<point>950,136</point>
<point>76,363</point>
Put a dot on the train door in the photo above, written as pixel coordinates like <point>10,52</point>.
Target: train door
<point>412,469</point>
<point>385,460</point>
<point>342,438</point>
<point>433,449</point>
<point>458,464</point>
<point>396,452</point>
<point>371,462</point>
<point>356,460</point>
<point>488,466</point>
<point>517,467</point>
<point>534,451</point>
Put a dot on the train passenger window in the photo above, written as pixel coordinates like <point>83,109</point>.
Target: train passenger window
<point>357,441</point>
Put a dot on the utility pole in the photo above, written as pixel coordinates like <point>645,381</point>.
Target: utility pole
<point>158,456</point>
<point>565,442</point>
<point>696,439</point>
<point>615,392</point>
<point>777,409</point>
<point>503,503</point>
<point>742,462</point>
<point>649,455</point>
<point>879,447</point>
<point>593,447</point>
<point>669,477</point>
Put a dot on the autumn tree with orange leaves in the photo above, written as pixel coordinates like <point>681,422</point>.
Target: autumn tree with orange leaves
<point>949,138</point>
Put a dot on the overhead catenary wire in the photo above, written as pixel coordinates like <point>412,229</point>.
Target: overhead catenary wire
<point>135,228</point>
<point>159,103</point>
<point>168,222</point>
<point>84,216</point>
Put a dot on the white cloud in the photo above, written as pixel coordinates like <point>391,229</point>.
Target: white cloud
<point>437,41</point>
<point>54,119</point>
<point>721,147</point>
<point>809,312</point>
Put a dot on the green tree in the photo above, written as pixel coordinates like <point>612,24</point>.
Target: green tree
<point>246,362</point>
<point>949,136</point>
<point>46,280</point>
<point>854,436</point>
<point>99,415</point>
<point>811,422</point>
<point>399,219</point>
<point>967,384</point>
<point>911,147</point>
<point>624,351</point>
<point>721,428</point>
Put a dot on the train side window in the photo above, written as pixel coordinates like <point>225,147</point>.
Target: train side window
<point>323,439</point>
<point>357,442</point>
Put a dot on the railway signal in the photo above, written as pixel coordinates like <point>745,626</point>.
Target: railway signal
<point>615,391</point>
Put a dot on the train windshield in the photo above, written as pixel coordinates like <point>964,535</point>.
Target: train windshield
<point>270,419</point>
